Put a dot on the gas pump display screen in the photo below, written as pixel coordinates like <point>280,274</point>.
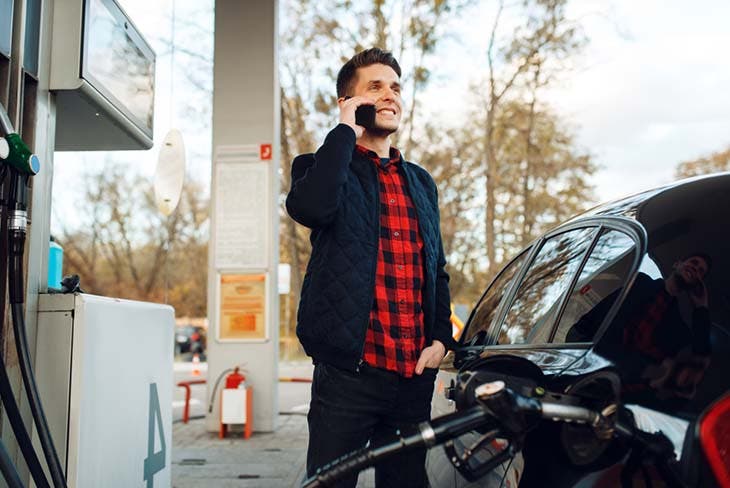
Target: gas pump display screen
<point>117,61</point>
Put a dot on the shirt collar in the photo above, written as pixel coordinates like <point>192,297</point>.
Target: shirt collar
<point>395,156</point>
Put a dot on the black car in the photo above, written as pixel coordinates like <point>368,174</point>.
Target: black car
<point>609,307</point>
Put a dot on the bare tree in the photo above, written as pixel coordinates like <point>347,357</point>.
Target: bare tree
<point>129,248</point>
<point>715,162</point>
<point>546,36</point>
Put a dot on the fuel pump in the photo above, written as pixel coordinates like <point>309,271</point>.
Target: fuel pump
<point>18,166</point>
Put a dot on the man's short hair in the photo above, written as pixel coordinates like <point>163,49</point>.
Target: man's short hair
<point>347,76</point>
<point>700,254</point>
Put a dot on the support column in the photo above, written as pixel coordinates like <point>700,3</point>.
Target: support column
<point>243,303</point>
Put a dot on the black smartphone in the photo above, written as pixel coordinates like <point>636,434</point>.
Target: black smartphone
<point>365,115</point>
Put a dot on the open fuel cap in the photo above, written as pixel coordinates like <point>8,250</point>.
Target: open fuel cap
<point>170,172</point>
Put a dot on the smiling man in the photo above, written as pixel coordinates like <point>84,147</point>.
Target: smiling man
<point>374,310</point>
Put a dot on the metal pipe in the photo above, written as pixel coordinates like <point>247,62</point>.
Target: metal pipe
<point>5,123</point>
<point>186,385</point>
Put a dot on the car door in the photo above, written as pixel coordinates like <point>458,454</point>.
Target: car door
<point>525,323</point>
<point>476,331</point>
<point>570,271</point>
<point>521,311</point>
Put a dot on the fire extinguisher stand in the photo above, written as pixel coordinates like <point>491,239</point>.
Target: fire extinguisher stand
<point>236,404</point>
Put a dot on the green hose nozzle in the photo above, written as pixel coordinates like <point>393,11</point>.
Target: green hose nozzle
<point>16,154</point>
<point>20,157</point>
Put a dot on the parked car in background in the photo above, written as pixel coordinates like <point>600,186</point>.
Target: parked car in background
<point>190,339</point>
<point>609,307</point>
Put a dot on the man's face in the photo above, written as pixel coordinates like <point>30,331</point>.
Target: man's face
<point>381,84</point>
<point>692,270</point>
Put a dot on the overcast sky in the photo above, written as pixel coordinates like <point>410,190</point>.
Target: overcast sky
<point>657,96</point>
<point>650,91</point>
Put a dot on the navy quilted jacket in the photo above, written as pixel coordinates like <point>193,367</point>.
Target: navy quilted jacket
<point>335,193</point>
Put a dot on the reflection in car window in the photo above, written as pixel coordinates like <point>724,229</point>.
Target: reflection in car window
<point>546,281</point>
<point>606,270</point>
<point>649,267</point>
<point>681,362</point>
<point>487,307</point>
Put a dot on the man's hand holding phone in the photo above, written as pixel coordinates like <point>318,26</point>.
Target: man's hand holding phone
<point>357,112</point>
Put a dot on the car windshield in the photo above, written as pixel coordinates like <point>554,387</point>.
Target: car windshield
<point>485,312</point>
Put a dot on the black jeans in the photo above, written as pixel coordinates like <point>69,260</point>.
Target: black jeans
<point>349,409</point>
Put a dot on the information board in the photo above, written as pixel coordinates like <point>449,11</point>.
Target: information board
<point>241,209</point>
<point>242,307</point>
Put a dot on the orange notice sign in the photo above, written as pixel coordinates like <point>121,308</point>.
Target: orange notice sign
<point>242,307</point>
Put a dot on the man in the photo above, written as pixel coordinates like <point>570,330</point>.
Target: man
<point>374,310</point>
<point>657,352</point>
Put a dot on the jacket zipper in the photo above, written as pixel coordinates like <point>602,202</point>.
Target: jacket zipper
<point>425,248</point>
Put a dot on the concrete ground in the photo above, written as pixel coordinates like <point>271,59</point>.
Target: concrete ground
<point>201,459</point>
<point>266,460</point>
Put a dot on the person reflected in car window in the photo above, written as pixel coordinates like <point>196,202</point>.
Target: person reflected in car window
<point>654,348</point>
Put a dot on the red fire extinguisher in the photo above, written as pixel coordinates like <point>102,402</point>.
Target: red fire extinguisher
<point>233,412</point>
<point>235,379</point>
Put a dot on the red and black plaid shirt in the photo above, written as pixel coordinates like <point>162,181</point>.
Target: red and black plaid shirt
<point>639,333</point>
<point>395,339</point>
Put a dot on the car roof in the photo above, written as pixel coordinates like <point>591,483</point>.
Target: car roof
<point>689,214</point>
<point>629,206</point>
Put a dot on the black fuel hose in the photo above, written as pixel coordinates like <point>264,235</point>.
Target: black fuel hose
<point>21,434</point>
<point>10,474</point>
<point>31,390</point>
<point>6,392</point>
<point>4,192</point>
<point>17,226</point>
<point>425,435</point>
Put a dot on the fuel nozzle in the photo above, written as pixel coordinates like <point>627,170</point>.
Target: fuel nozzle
<point>22,161</point>
<point>22,164</point>
<point>13,150</point>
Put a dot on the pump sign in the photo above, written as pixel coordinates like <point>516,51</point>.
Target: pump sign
<point>155,461</point>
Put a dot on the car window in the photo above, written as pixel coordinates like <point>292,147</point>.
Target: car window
<point>606,270</point>
<point>669,339</point>
<point>484,315</point>
<point>531,314</point>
